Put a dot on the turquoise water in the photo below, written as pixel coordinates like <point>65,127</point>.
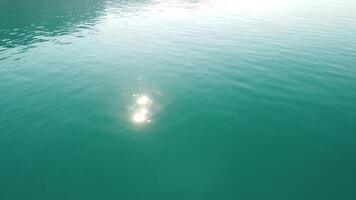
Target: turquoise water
<point>177,99</point>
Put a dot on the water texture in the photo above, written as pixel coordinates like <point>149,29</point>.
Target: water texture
<point>177,99</point>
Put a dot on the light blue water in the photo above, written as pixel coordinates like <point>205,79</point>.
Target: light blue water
<point>177,99</point>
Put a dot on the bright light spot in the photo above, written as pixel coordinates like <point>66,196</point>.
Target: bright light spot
<point>143,111</point>
<point>139,117</point>
<point>143,100</point>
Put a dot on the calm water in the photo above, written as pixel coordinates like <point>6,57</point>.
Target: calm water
<point>177,99</point>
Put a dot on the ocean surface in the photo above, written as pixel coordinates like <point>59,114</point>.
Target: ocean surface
<point>177,99</point>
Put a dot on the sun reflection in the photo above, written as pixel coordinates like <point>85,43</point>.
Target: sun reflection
<point>141,112</point>
<point>143,100</point>
<point>139,117</point>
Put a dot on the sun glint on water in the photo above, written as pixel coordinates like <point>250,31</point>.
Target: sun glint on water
<point>141,109</point>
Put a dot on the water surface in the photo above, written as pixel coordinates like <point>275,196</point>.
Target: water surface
<point>177,99</point>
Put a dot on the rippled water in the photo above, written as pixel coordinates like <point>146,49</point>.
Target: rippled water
<point>177,99</point>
